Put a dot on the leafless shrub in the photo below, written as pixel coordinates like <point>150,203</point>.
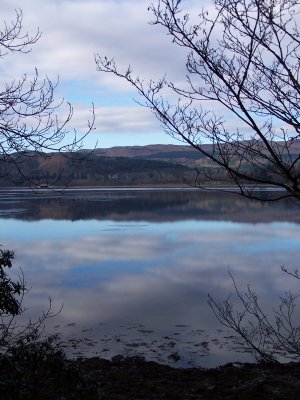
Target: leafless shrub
<point>266,335</point>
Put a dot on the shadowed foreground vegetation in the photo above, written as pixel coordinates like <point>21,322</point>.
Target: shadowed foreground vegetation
<point>38,370</point>
<point>29,374</point>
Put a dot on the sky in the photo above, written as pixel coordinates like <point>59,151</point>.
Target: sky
<point>73,31</point>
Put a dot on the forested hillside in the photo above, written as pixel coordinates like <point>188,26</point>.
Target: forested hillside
<point>123,166</point>
<point>94,170</point>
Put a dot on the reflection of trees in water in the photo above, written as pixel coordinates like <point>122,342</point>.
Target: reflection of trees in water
<point>155,205</point>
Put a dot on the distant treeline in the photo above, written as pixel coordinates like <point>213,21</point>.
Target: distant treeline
<point>93,170</point>
<point>123,166</point>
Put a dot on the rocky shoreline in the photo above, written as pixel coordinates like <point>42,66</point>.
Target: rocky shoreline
<point>45,374</point>
<point>134,378</point>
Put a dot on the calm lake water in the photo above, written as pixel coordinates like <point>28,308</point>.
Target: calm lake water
<point>133,268</point>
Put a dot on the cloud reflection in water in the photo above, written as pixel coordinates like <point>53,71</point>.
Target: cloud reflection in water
<point>156,275</point>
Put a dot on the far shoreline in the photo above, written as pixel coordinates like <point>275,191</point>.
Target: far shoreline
<point>212,188</point>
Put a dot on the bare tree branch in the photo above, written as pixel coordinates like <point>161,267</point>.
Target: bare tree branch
<point>265,336</point>
<point>29,120</point>
<point>246,58</point>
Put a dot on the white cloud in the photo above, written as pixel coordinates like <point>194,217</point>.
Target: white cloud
<point>116,119</point>
<point>73,31</point>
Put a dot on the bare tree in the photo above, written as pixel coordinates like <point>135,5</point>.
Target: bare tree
<point>29,123</point>
<point>245,58</point>
<point>267,336</point>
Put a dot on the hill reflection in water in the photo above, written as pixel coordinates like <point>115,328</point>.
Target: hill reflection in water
<point>133,268</point>
<point>138,205</point>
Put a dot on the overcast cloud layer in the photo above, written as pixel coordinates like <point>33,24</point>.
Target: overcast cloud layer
<point>72,32</point>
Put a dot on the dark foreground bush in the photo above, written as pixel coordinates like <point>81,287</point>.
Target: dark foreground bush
<point>38,370</point>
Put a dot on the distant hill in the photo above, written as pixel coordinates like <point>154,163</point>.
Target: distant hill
<point>175,154</point>
<point>121,166</point>
<point>178,153</point>
<point>99,168</point>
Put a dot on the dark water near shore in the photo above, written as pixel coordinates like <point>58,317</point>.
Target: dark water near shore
<point>133,268</point>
